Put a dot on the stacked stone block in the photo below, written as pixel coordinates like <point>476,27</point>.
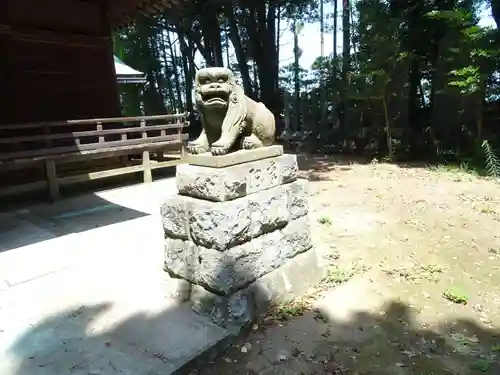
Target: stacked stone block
<point>230,226</point>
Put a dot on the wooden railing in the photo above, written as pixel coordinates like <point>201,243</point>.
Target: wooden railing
<point>61,142</point>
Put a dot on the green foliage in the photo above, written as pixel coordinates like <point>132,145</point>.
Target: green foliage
<point>420,81</point>
<point>467,79</point>
<point>456,296</point>
<point>287,78</point>
<point>492,161</point>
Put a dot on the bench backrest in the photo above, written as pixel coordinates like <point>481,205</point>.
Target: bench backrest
<point>121,134</point>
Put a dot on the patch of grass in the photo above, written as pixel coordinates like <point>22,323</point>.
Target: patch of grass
<point>429,272</point>
<point>459,170</point>
<point>325,220</point>
<point>293,308</point>
<point>494,251</point>
<point>456,296</point>
<point>400,273</point>
<point>481,365</point>
<point>337,275</point>
<point>495,348</point>
<point>488,211</point>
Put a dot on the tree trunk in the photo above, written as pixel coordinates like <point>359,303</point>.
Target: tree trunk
<point>296,54</point>
<point>173,60</point>
<point>240,53</point>
<point>322,29</point>
<point>211,34</point>
<point>188,68</point>
<point>495,11</point>
<point>335,27</point>
<point>334,65</point>
<point>278,31</point>
<point>266,30</point>
<point>388,129</point>
<point>346,61</point>
<point>228,59</point>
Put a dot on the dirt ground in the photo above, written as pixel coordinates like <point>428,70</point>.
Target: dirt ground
<point>414,285</point>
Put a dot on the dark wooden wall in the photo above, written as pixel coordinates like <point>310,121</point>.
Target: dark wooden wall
<point>56,61</point>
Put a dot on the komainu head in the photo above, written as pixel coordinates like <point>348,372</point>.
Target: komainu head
<point>216,88</point>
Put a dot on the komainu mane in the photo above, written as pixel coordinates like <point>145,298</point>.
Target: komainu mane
<point>230,120</point>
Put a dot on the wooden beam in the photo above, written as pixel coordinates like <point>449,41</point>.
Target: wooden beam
<point>92,148</point>
<point>83,134</point>
<point>106,120</point>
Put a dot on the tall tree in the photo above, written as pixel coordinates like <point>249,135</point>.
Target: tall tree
<point>346,60</point>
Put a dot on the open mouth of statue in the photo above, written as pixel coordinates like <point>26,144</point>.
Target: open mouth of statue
<point>215,97</point>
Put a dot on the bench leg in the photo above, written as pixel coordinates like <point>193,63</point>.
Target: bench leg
<point>183,149</point>
<point>50,172</point>
<point>124,160</point>
<point>146,165</point>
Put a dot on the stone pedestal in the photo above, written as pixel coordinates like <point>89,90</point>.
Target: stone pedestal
<point>232,227</point>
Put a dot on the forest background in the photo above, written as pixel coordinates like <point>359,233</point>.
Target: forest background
<point>412,79</point>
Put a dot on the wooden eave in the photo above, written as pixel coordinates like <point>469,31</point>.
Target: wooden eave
<point>123,12</point>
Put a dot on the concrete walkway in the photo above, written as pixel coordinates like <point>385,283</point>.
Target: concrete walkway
<point>82,289</point>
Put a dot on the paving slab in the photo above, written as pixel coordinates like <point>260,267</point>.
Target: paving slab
<point>16,231</point>
<point>92,299</point>
<point>101,322</point>
<point>45,221</point>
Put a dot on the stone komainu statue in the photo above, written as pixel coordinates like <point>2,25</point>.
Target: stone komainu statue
<point>230,120</point>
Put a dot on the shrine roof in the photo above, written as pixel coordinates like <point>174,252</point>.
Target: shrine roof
<point>123,12</point>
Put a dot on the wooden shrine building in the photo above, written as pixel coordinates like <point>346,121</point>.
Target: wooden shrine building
<point>60,118</point>
<point>56,60</point>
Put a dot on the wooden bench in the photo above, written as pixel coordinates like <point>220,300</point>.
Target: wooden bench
<point>54,143</point>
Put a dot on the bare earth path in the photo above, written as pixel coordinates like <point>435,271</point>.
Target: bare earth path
<point>414,286</point>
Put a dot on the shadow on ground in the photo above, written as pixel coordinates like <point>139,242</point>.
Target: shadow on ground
<point>140,332</point>
<point>79,342</point>
<point>152,338</point>
<point>389,343</point>
<point>33,220</point>
<point>316,167</point>
<point>44,221</point>
<point>392,342</point>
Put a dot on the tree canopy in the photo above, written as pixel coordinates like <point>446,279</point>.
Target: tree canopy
<point>414,79</point>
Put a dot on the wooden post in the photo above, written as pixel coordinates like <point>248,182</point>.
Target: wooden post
<point>146,162</point>
<point>99,128</point>
<point>183,149</point>
<point>124,158</point>
<point>50,171</point>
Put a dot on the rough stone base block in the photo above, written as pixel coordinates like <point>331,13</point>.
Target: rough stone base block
<point>225,272</point>
<point>232,228</point>
<point>293,278</point>
<point>222,225</point>
<point>224,184</point>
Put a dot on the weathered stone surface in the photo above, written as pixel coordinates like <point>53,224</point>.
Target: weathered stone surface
<point>297,234</point>
<point>269,210</point>
<point>293,278</point>
<point>233,158</point>
<point>226,272</point>
<point>221,225</point>
<point>298,199</point>
<point>174,214</point>
<point>224,184</point>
